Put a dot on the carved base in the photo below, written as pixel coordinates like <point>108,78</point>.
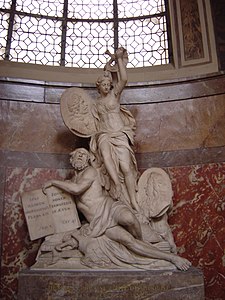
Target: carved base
<point>107,285</point>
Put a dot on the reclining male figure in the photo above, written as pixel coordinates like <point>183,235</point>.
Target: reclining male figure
<point>106,216</point>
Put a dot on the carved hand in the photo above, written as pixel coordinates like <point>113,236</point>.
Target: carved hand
<point>46,185</point>
<point>120,52</point>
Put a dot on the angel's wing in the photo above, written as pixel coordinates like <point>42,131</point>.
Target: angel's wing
<point>76,110</point>
<point>154,192</point>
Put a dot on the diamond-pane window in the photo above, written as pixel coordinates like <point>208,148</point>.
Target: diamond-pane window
<point>5,4</point>
<point>76,33</point>
<point>4,23</point>
<point>88,39</point>
<point>90,9</point>
<point>128,9</point>
<point>29,38</point>
<point>41,7</point>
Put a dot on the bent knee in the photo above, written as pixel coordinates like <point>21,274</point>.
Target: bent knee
<point>119,234</point>
<point>129,219</point>
<point>125,168</point>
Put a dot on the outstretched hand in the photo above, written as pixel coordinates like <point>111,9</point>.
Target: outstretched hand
<point>46,186</point>
<point>120,52</point>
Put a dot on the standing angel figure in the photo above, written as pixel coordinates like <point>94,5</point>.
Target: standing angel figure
<point>115,129</point>
<point>110,126</point>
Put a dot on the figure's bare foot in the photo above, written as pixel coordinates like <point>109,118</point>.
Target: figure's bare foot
<point>181,263</point>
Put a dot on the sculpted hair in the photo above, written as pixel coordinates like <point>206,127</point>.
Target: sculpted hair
<point>81,149</point>
<point>106,76</point>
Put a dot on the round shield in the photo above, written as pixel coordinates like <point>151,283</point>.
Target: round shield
<point>76,110</point>
<point>154,192</point>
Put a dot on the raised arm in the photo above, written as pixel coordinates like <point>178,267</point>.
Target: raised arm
<point>122,80</point>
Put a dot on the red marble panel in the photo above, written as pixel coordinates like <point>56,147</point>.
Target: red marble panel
<point>198,221</point>
<point>18,252</point>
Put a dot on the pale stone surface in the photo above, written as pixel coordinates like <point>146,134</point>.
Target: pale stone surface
<point>115,236</point>
<point>110,126</point>
<point>38,214</point>
<point>48,214</point>
<point>76,109</point>
<point>125,222</point>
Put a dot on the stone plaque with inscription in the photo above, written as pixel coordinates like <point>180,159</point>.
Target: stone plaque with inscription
<point>47,214</point>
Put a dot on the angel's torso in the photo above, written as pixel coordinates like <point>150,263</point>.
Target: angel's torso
<point>109,113</point>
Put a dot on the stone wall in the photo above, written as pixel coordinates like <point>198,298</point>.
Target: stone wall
<point>180,127</point>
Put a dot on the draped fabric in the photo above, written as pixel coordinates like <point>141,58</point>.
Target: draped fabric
<point>105,218</point>
<point>102,252</point>
<point>119,142</point>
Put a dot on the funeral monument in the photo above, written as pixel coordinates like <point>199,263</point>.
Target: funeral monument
<point>106,217</point>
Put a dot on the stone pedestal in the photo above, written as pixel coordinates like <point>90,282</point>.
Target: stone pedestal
<point>107,285</point>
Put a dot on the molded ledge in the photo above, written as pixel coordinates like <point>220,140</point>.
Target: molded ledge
<point>108,285</point>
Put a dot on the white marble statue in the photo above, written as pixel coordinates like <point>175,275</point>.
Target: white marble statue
<point>111,128</point>
<point>112,234</point>
<point>125,217</point>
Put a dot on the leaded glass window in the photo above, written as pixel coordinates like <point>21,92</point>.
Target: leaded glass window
<point>77,33</point>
